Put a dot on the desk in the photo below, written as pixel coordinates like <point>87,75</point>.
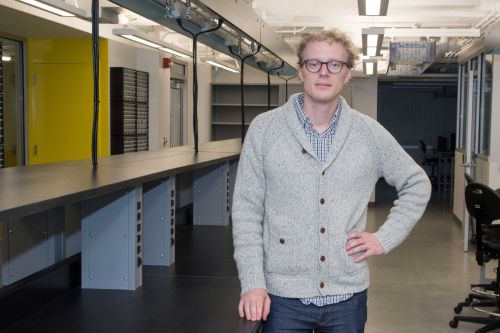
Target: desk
<point>126,209</point>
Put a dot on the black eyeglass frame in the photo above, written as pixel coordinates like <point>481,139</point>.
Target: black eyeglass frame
<point>306,61</point>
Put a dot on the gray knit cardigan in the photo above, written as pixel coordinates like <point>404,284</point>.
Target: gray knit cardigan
<point>290,209</point>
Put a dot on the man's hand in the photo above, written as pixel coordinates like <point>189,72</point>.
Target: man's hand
<point>255,304</point>
<point>363,242</point>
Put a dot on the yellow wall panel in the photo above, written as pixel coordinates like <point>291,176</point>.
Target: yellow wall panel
<point>60,95</point>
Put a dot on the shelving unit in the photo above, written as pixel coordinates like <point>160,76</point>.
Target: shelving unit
<point>226,107</point>
<point>129,110</point>
<point>2,163</point>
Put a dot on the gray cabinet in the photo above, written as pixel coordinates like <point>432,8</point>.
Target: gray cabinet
<point>31,243</point>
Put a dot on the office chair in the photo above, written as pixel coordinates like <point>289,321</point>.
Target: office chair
<point>483,203</point>
<point>429,160</point>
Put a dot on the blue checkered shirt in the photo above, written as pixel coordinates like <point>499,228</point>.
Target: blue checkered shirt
<point>321,144</point>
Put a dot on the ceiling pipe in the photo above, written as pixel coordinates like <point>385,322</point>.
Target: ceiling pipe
<point>294,31</point>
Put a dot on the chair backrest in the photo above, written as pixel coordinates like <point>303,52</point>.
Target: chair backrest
<point>482,202</point>
<point>468,178</point>
<point>423,146</point>
<point>442,143</point>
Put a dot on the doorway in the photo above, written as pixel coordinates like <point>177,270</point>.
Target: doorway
<point>176,112</point>
<point>12,133</point>
<point>421,115</point>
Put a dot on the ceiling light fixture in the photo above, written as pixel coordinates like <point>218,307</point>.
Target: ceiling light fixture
<point>373,7</point>
<point>145,39</point>
<point>369,67</point>
<point>57,7</point>
<point>174,52</point>
<point>372,39</point>
<point>220,64</point>
<point>6,58</point>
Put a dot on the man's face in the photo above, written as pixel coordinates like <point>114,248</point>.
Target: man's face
<point>324,87</point>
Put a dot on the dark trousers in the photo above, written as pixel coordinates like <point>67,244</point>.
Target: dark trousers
<point>291,315</point>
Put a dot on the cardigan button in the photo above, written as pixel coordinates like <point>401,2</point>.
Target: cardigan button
<point>322,258</point>
<point>322,230</point>
<point>323,173</point>
<point>321,285</point>
<point>282,241</point>
<point>304,151</point>
<point>322,201</point>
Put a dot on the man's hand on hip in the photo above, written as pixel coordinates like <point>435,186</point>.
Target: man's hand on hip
<point>255,304</point>
<point>364,242</point>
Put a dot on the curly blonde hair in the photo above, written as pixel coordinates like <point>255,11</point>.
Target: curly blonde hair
<point>330,36</point>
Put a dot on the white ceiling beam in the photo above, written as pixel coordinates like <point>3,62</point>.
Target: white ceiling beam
<point>425,32</point>
<point>387,20</point>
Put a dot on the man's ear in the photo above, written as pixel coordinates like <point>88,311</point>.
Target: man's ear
<point>348,76</point>
<point>301,75</point>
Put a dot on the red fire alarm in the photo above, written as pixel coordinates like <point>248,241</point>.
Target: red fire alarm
<point>167,63</point>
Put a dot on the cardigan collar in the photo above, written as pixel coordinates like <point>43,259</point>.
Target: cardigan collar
<point>342,132</point>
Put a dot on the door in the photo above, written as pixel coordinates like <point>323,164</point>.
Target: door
<point>11,104</point>
<point>60,119</point>
<point>468,138</point>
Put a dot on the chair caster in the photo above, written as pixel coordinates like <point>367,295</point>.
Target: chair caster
<point>453,323</point>
<point>457,309</point>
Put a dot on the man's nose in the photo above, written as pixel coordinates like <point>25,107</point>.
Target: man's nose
<point>323,70</point>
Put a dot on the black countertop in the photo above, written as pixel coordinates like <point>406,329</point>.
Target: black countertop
<point>31,189</point>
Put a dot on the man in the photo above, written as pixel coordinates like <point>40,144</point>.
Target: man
<point>306,173</point>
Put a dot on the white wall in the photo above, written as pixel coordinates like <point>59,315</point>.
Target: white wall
<point>252,76</point>
<point>204,101</point>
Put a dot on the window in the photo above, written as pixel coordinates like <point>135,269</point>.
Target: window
<point>485,113</point>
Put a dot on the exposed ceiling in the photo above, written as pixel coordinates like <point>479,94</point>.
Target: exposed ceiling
<point>408,20</point>
<point>447,22</point>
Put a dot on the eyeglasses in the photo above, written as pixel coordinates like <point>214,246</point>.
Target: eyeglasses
<point>333,66</point>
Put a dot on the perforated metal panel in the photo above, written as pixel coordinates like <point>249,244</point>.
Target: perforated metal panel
<point>159,222</point>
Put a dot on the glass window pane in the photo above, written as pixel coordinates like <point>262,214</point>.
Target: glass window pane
<point>464,101</point>
<point>485,117</point>
<point>178,69</point>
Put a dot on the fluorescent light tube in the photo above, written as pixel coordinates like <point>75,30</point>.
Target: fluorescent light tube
<point>220,65</point>
<point>174,52</point>
<point>142,41</point>
<point>372,7</point>
<point>151,41</point>
<point>369,68</point>
<point>372,40</point>
<point>6,58</point>
<point>48,8</point>
<point>57,7</point>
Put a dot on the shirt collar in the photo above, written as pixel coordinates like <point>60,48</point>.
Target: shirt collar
<point>305,122</point>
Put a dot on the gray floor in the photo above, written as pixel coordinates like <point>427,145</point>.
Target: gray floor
<point>415,287</point>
